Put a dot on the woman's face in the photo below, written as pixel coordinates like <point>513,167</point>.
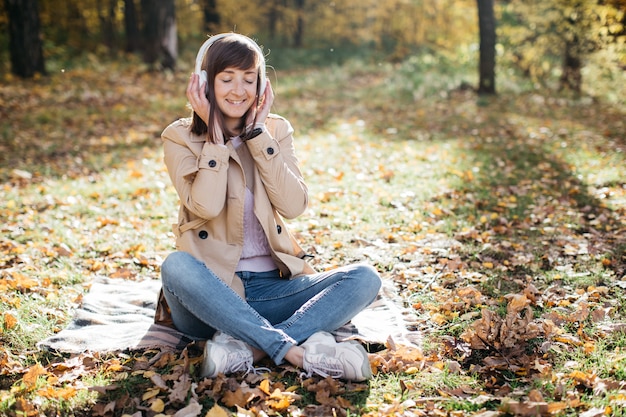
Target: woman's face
<point>235,92</point>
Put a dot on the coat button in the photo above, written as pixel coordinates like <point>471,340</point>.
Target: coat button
<point>203,234</point>
<point>212,163</point>
<point>270,151</point>
<point>279,229</point>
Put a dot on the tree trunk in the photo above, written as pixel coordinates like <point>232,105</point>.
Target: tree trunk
<point>272,19</point>
<point>106,15</point>
<point>169,42</point>
<point>131,26</point>
<point>571,77</point>
<point>487,66</point>
<point>211,16</point>
<point>25,45</point>
<point>299,32</point>
<point>160,33</point>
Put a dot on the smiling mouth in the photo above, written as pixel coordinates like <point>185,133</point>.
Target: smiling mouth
<point>236,102</point>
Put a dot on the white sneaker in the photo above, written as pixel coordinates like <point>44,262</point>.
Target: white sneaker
<point>225,354</point>
<point>325,357</point>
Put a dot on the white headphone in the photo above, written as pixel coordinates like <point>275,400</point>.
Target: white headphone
<point>205,46</point>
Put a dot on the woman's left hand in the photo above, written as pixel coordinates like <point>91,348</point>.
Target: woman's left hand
<point>264,108</point>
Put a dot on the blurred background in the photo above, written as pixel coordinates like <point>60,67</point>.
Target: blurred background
<point>575,45</point>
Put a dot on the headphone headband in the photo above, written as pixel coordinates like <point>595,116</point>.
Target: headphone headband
<point>205,47</point>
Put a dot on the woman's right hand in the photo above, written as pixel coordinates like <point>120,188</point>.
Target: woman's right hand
<point>197,97</point>
<point>196,94</point>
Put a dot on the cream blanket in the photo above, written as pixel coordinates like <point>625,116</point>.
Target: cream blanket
<point>117,315</point>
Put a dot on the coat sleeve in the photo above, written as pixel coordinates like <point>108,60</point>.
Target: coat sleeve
<point>275,157</point>
<point>199,178</point>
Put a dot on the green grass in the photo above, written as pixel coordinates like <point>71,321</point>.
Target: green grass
<point>406,171</point>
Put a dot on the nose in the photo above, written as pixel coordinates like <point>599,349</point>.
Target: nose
<point>238,87</point>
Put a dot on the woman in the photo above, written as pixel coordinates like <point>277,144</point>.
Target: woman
<point>238,277</point>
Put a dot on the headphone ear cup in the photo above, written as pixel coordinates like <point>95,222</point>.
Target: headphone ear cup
<point>203,79</point>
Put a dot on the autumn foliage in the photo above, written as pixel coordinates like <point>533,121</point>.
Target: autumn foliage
<point>499,223</point>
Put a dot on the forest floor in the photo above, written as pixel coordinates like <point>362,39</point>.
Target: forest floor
<point>501,222</point>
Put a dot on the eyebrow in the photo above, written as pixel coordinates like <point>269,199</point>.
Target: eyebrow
<point>230,71</point>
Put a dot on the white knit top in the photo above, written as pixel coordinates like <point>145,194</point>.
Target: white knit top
<point>255,255</point>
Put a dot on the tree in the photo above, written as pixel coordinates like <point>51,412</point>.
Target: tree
<point>299,32</point>
<point>579,39</point>
<point>211,19</point>
<point>549,37</point>
<point>487,26</point>
<point>25,45</point>
<point>160,37</point>
<point>131,26</point>
<point>106,15</point>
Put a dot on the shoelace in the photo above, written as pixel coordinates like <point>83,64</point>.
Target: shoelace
<point>239,361</point>
<point>323,366</point>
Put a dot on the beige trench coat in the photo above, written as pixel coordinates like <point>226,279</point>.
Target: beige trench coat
<point>211,183</point>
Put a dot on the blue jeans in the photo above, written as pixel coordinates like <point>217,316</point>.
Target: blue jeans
<point>277,313</point>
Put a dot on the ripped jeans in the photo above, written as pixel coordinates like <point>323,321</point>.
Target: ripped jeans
<point>277,313</point>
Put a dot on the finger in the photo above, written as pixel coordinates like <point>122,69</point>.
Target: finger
<point>192,87</point>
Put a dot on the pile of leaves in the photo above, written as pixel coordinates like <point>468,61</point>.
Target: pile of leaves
<point>499,222</point>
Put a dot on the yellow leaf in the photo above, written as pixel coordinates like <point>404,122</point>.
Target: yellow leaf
<point>157,405</point>
<point>279,404</point>
<point>584,378</point>
<point>216,411</point>
<point>22,282</point>
<point>115,366</point>
<point>9,320</point>
<point>30,377</point>
<point>438,318</point>
<point>150,394</point>
<point>265,386</point>
<point>389,398</point>
<point>554,408</point>
<point>58,393</point>
<point>571,340</point>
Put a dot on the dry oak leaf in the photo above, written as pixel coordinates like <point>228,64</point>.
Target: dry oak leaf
<point>234,398</point>
<point>525,408</point>
<point>584,378</point>
<point>31,376</point>
<point>10,321</point>
<point>180,390</point>
<point>25,407</point>
<point>517,302</point>
<point>491,331</point>
<point>58,393</point>
<point>192,410</point>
